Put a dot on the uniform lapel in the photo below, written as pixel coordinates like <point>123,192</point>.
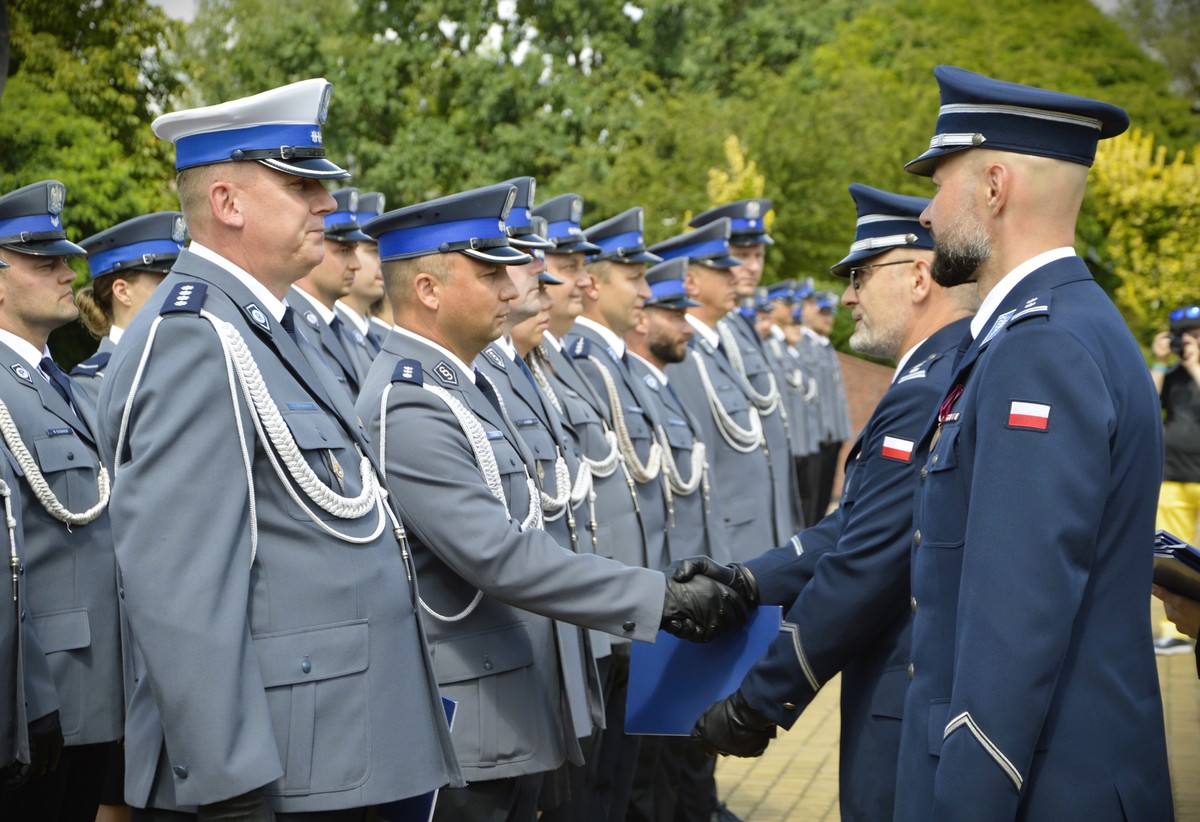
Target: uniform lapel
<point>31,379</point>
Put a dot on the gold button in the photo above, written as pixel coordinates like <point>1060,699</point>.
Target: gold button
<point>789,706</point>
<point>910,670</point>
<point>912,603</point>
<point>934,460</point>
<point>917,537</point>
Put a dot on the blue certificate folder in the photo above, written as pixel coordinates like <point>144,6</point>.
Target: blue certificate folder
<point>416,808</point>
<point>673,681</point>
<point>1176,565</point>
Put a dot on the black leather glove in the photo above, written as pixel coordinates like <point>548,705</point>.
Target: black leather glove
<point>735,575</point>
<point>701,609</point>
<point>249,807</point>
<point>45,747</point>
<point>732,727</point>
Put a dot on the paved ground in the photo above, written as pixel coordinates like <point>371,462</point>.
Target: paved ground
<point>796,780</point>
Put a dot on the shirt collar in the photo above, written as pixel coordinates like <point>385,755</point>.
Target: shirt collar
<point>467,370</point>
<point>505,345</point>
<point>778,334</point>
<point>270,303</point>
<point>553,340</point>
<point>903,361</point>
<point>654,369</point>
<point>704,330</point>
<point>815,337</point>
<point>1010,280</point>
<point>114,333</point>
<point>24,349</point>
<point>610,339</point>
<point>356,319</point>
<point>383,324</point>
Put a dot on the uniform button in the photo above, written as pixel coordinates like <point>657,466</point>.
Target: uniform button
<point>789,706</point>
<point>917,537</point>
<point>306,666</point>
<point>22,614</point>
<point>629,626</point>
<point>488,664</point>
<point>180,771</point>
<point>911,670</point>
<point>121,591</point>
<point>935,459</point>
<point>924,473</point>
<point>912,603</point>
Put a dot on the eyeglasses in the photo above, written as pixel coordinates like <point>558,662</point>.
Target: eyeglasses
<point>857,272</point>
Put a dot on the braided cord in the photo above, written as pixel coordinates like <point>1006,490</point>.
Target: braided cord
<point>37,482</point>
<point>14,561</point>
<point>641,472</point>
<point>743,440</point>
<point>678,485</point>
<point>765,402</point>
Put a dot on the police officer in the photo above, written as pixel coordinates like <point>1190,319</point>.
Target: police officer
<point>844,581</point>
<point>1034,691</point>
<point>799,388</point>
<point>127,263</point>
<point>70,570</point>
<point>354,307</point>
<point>492,579</point>
<point>283,668</point>
<point>315,295</point>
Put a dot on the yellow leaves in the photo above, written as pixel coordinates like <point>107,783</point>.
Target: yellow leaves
<point>740,181</point>
<point>1148,205</point>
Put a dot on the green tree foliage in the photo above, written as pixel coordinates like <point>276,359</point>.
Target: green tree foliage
<point>1169,29</point>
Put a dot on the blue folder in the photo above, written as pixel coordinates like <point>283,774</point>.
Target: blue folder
<point>416,808</point>
<point>673,681</point>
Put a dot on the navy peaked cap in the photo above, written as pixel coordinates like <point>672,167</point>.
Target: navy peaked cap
<point>666,285</point>
<point>31,221</point>
<point>979,112</point>
<point>564,214</point>
<point>147,243</point>
<point>885,221</point>
<point>707,246</point>
<point>520,229</point>
<point>471,222</point>
<point>343,225</point>
<point>745,221</point>
<point>621,239</point>
<point>370,206</point>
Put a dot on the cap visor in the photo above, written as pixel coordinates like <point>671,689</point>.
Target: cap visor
<point>317,168</point>
<point>722,262</point>
<point>673,303</point>
<point>501,255</point>
<point>924,165</point>
<point>49,248</point>
<point>353,236</point>
<point>531,241</point>
<point>637,257</point>
<point>574,247</point>
<point>750,239</point>
<point>548,278</point>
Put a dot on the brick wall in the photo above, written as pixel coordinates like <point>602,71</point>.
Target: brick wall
<point>866,382</point>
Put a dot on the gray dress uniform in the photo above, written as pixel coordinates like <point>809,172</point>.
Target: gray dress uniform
<point>758,373</point>
<point>356,340</point>
<point>280,640</point>
<point>490,587</point>
<point>692,528</point>
<point>87,376</point>
<point>540,429</point>
<point>27,690</point>
<point>327,340</point>
<point>795,386</point>
<point>590,353</point>
<point>70,571</point>
<point>746,496</point>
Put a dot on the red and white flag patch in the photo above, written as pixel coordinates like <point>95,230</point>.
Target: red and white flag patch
<point>1032,415</point>
<point>895,448</point>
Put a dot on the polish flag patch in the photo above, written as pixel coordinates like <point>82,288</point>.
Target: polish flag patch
<point>1031,415</point>
<point>897,449</point>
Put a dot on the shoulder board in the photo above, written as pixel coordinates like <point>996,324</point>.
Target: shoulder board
<point>578,348</point>
<point>92,365</point>
<point>494,357</point>
<point>409,371</point>
<point>185,298</point>
<point>1037,305</point>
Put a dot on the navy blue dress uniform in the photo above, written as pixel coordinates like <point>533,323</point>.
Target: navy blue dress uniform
<point>70,570</point>
<point>270,593</point>
<point>30,731</point>
<point>1034,692</point>
<point>845,581</point>
<point>492,580</point>
<point>147,243</point>
<point>343,346</point>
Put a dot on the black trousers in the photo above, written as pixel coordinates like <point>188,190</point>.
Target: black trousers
<point>495,800</point>
<point>69,793</point>
<point>675,782</point>
<point>348,815</point>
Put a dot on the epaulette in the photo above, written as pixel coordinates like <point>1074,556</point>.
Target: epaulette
<point>92,365</point>
<point>1037,305</point>
<point>579,349</point>
<point>494,356</point>
<point>408,371</point>
<point>185,298</point>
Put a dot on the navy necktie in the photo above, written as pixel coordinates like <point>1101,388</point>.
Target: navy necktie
<point>289,323</point>
<point>485,386</point>
<point>58,379</point>
<point>525,370</point>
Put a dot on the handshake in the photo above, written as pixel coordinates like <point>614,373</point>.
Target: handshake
<point>704,600</point>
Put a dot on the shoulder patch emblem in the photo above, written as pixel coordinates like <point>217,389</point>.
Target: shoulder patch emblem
<point>185,298</point>
<point>580,348</point>
<point>311,318</point>
<point>446,373</point>
<point>408,371</point>
<point>1029,416</point>
<point>896,448</point>
<point>21,371</point>
<point>494,357</point>
<point>650,380</point>
<point>257,316</point>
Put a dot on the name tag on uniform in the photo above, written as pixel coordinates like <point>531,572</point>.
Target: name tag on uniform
<point>59,432</point>
<point>494,435</point>
<point>302,406</point>
<point>635,409</point>
<point>680,423</point>
<point>525,423</point>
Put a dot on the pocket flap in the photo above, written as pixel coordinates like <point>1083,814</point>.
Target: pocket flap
<point>63,630</point>
<point>485,654</point>
<point>312,431</point>
<point>62,453</point>
<point>312,654</point>
<point>945,452</point>
<point>679,434</point>
<point>739,510</point>
<point>888,699</point>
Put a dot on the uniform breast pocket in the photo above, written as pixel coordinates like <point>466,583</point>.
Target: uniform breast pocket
<point>70,469</point>
<point>323,445</point>
<point>943,499</point>
<point>638,427</point>
<point>65,637</point>
<point>679,435</point>
<point>512,476</point>
<point>734,402</point>
<point>490,675</point>
<point>316,681</point>
<point>535,435</point>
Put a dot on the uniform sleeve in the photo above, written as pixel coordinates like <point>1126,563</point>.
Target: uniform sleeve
<point>180,521</point>
<point>1029,542</point>
<point>446,504</point>
<point>860,584</point>
<point>782,572</point>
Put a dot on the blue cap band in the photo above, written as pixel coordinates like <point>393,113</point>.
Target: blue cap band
<point>341,218</point>
<point>700,251</point>
<point>668,288</point>
<point>427,239</point>
<point>563,228</point>
<point>33,223</point>
<point>219,146</point>
<point>741,225</point>
<point>630,239</point>
<point>103,262</point>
